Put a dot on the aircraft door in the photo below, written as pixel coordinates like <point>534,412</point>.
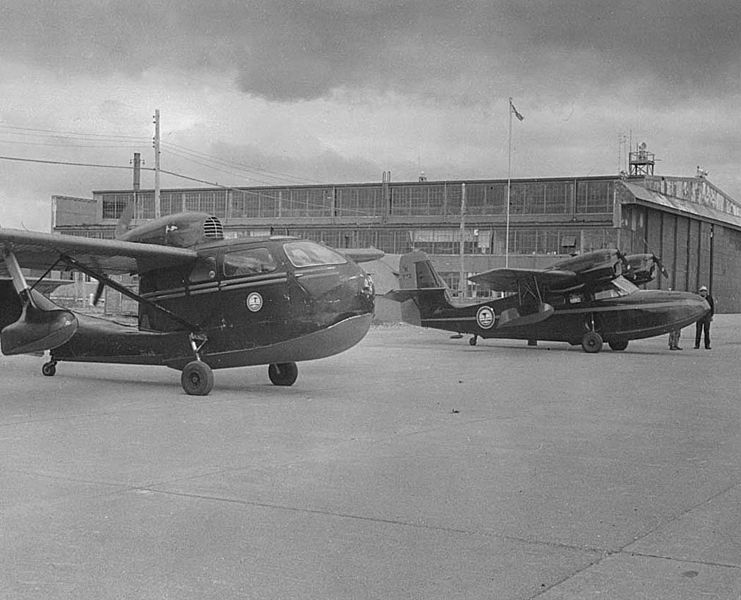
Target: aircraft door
<point>191,295</point>
<point>254,295</point>
<point>202,286</point>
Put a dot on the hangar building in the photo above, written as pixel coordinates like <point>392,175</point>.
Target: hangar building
<point>692,225</point>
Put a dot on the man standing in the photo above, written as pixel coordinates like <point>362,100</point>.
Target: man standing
<point>704,323</point>
<point>674,339</point>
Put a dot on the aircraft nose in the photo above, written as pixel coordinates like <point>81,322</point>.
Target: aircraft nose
<point>695,307</point>
<point>365,292</point>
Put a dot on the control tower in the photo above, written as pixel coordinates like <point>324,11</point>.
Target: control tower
<point>641,161</point>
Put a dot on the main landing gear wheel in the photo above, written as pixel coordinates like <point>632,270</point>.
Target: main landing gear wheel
<point>49,369</point>
<point>197,378</point>
<point>473,340</point>
<point>591,342</point>
<point>618,345</point>
<point>283,373</point>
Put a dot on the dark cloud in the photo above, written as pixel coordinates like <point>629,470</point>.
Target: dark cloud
<point>291,50</point>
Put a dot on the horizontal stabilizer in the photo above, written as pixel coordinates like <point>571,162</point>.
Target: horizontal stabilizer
<point>38,330</point>
<point>512,317</point>
<point>360,255</point>
<point>410,294</point>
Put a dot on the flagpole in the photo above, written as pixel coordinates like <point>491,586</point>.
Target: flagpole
<point>509,184</point>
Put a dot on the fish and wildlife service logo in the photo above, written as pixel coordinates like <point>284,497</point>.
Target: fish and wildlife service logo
<point>486,317</point>
<point>254,302</point>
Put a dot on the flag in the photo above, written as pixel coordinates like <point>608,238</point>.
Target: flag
<point>515,111</point>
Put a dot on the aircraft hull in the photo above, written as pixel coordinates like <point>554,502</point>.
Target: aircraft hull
<point>103,341</point>
<point>645,313</point>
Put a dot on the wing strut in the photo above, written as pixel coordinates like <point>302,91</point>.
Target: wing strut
<point>104,279</point>
<point>19,281</point>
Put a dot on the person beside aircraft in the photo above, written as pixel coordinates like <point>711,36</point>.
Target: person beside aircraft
<point>703,325</point>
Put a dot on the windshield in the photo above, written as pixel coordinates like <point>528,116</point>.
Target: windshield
<point>624,285</point>
<point>311,254</point>
<point>618,287</point>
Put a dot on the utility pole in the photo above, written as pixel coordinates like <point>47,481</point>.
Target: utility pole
<point>137,182</point>
<point>157,211</point>
<point>462,274</point>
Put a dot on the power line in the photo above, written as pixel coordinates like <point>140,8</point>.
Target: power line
<point>243,191</point>
<point>56,132</point>
<point>94,140</point>
<point>61,162</point>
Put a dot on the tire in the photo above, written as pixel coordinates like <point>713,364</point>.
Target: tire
<point>49,369</point>
<point>283,373</point>
<point>473,340</point>
<point>591,342</point>
<point>618,345</point>
<point>197,378</point>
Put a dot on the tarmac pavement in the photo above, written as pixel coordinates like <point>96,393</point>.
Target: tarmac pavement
<point>411,466</point>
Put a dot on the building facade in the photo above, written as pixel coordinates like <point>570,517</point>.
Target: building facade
<point>464,225</point>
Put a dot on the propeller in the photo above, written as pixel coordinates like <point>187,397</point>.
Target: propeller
<point>98,293</point>
<point>661,266</point>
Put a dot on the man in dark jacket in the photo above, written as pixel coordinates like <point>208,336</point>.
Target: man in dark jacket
<point>704,323</point>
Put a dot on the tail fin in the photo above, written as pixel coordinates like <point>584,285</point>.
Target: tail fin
<point>417,273</point>
<point>420,283</point>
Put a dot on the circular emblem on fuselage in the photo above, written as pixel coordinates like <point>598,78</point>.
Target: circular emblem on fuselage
<point>254,302</point>
<point>485,317</point>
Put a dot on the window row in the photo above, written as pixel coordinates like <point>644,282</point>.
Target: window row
<point>475,241</point>
<point>413,199</point>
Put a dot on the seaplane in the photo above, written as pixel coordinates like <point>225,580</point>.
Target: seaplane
<point>204,302</point>
<point>586,300</point>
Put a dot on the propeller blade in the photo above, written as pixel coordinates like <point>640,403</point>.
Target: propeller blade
<point>98,293</point>
<point>661,266</point>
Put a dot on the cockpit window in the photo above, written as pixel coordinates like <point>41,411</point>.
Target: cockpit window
<point>311,254</point>
<point>251,261</point>
<point>618,287</point>
<point>203,270</point>
<point>625,285</point>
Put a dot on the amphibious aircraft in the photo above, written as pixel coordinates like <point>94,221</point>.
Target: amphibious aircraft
<point>587,299</point>
<point>205,302</point>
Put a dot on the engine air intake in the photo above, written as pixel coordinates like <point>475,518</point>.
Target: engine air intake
<point>213,229</point>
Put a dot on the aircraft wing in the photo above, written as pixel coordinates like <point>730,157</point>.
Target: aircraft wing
<point>35,250</point>
<point>510,280</point>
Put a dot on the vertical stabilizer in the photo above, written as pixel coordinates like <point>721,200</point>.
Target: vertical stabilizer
<point>417,273</point>
<point>423,291</point>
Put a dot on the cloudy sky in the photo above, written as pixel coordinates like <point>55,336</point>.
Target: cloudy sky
<point>289,92</point>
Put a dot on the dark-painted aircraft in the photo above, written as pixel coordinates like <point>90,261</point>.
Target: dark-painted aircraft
<point>587,299</point>
<point>205,302</point>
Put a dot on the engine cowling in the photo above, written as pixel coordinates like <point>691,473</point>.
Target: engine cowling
<point>182,230</point>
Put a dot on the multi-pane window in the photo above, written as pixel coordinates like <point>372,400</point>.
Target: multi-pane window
<point>307,202</point>
<point>557,197</point>
<point>256,203</point>
<point>113,205</point>
<point>417,199</point>
<point>212,202</point>
<point>538,198</point>
<point>362,201</point>
<point>594,196</point>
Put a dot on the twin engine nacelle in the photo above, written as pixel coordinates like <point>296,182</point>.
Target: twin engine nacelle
<point>641,268</point>
<point>593,267</point>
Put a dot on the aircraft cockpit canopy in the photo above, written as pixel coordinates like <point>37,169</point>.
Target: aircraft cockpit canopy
<point>617,288</point>
<point>303,253</point>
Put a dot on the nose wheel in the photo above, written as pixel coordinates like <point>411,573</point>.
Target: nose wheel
<point>591,342</point>
<point>283,373</point>
<point>49,369</point>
